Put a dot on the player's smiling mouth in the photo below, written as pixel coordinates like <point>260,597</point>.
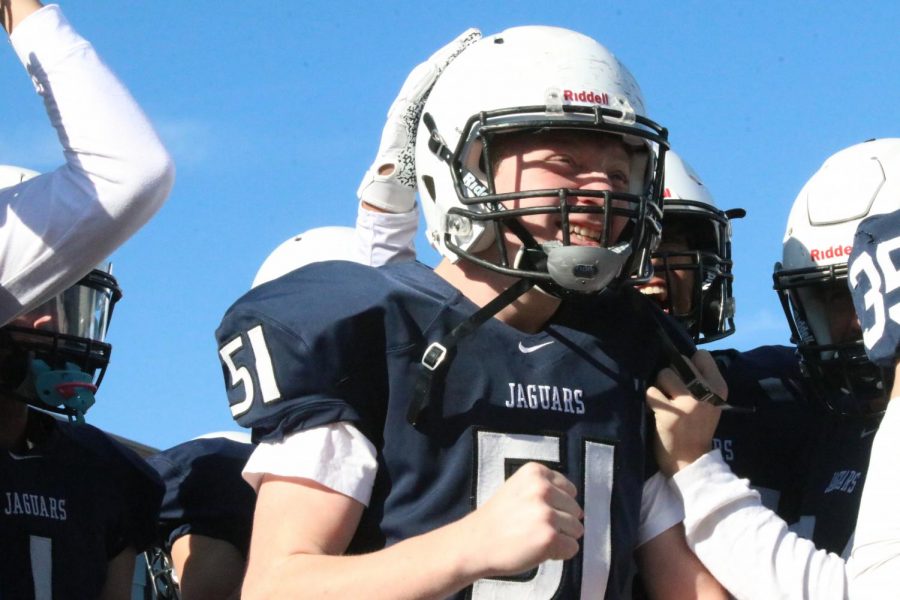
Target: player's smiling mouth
<point>658,291</point>
<point>585,236</point>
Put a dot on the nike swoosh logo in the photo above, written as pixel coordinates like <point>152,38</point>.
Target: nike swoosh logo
<point>867,432</point>
<point>530,349</point>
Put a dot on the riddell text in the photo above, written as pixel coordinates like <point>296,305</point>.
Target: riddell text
<point>834,251</point>
<point>586,96</point>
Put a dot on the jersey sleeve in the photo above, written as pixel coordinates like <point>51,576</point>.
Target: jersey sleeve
<point>384,238</point>
<point>58,226</point>
<point>747,547</point>
<point>306,350</point>
<point>336,456</point>
<point>763,377</point>
<point>661,508</point>
<point>204,491</point>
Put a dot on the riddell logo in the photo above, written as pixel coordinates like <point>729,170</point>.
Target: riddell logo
<point>586,96</point>
<point>832,252</point>
<point>473,185</point>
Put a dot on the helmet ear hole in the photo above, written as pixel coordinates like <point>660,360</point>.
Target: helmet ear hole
<point>429,186</point>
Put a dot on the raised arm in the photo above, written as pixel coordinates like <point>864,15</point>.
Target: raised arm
<point>387,218</point>
<point>116,175</point>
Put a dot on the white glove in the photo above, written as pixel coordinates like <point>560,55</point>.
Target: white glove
<point>390,183</point>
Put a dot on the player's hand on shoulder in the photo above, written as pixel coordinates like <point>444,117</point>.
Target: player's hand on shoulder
<point>390,183</point>
<point>684,424</point>
<point>531,518</point>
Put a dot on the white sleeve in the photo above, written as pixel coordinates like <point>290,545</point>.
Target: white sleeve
<point>385,237</point>
<point>747,547</point>
<point>58,226</point>
<point>660,508</point>
<point>337,456</point>
<point>874,564</point>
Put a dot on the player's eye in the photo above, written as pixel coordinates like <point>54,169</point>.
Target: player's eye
<point>619,178</point>
<point>563,160</point>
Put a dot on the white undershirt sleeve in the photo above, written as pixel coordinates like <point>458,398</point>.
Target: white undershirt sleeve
<point>386,237</point>
<point>874,564</point>
<point>660,508</point>
<point>337,456</point>
<point>58,226</point>
<point>747,547</point>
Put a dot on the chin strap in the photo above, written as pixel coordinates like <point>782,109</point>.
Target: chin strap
<point>438,355</point>
<point>695,385</point>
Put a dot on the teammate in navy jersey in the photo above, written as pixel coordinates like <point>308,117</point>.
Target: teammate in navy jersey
<point>76,505</point>
<point>872,276</point>
<point>337,356</point>
<point>784,440</point>
<point>206,513</point>
<point>843,400</point>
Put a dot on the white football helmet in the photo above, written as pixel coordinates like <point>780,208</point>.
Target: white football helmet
<point>533,79</point>
<point>696,240</point>
<point>811,281</point>
<point>315,245</point>
<point>11,175</point>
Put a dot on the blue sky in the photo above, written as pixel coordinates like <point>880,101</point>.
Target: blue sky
<point>273,111</point>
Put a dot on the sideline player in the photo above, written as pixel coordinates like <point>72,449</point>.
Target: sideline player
<point>764,558</point>
<point>76,505</point>
<point>545,172</point>
<point>117,174</point>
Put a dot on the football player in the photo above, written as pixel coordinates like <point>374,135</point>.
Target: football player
<point>452,427</point>
<point>76,505</point>
<point>57,226</point>
<point>692,278</point>
<point>206,513</point>
<point>873,279</point>
<point>845,399</point>
<point>692,281</point>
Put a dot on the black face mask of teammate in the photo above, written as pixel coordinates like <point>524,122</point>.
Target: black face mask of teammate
<point>54,357</point>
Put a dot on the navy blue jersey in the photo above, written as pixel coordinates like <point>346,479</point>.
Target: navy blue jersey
<point>836,467</point>
<point>807,463</point>
<point>205,493</point>
<point>70,504</point>
<point>343,342</point>
<point>766,440</point>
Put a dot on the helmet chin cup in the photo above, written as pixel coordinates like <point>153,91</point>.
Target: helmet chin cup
<point>68,390</point>
<point>585,268</point>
